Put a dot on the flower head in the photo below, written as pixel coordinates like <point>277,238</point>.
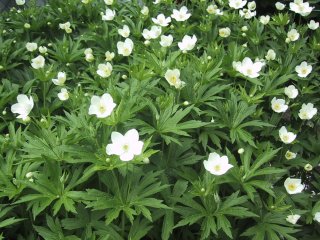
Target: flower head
<point>307,111</point>
<point>166,41</point>
<point>38,62</point>
<point>125,48</point>
<point>31,46</point>
<point>173,78</point>
<point>300,7</point>
<point>213,9</point>
<point>248,68</point>
<point>161,20</point>
<point>293,219</point>
<point>278,105</point>
<point>224,32</point>
<point>104,70</point>
<point>292,35</point>
<point>291,91</point>
<point>109,15</point>
<point>60,80</point>
<point>23,107</point>
<point>181,15</point>
<point>285,136</point>
<point>313,25</point>
<point>20,2</point>
<point>237,4</point>
<point>102,106</point>
<point>125,146</point>
<point>264,19</point>
<point>124,31</point>
<point>280,6</point>
<point>187,43</point>
<point>63,95</point>
<point>303,69</point>
<point>217,165</point>
<point>271,55</point>
<point>290,155</point>
<point>293,185</point>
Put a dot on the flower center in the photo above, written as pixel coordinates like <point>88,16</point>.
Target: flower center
<point>249,71</point>
<point>277,106</point>
<point>304,71</point>
<point>285,138</point>
<point>292,187</point>
<point>125,147</point>
<point>173,79</point>
<point>217,168</point>
<point>102,109</point>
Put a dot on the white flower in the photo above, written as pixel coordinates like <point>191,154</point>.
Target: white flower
<point>65,26</point>
<point>101,106</point>
<point>109,56</point>
<point>224,32</point>
<point>252,5</point>
<point>108,2</point>
<point>313,25</point>
<point>278,105</point>
<point>303,69</point>
<point>187,43</point>
<point>154,33</point>
<point>125,48</point>
<point>237,4</point>
<point>104,70</point>
<point>89,57</point>
<point>298,6</point>
<point>285,136</point>
<point>264,19</point>
<point>166,41</point>
<point>291,91</point>
<point>217,165</point>
<point>125,31</point>
<point>293,185</point>
<point>271,55</point>
<point>63,95</point>
<point>280,6</point>
<point>125,146</point>
<point>60,80</point>
<point>145,10</point>
<point>180,15</point>
<point>43,49</point>
<point>38,62</point>
<point>23,107</point>
<point>290,155</point>
<point>293,219</point>
<point>31,46</point>
<point>162,20</point>
<point>20,2</point>
<point>173,78</point>
<point>109,15</point>
<point>247,14</point>
<point>248,68</point>
<point>307,111</point>
<point>317,217</point>
<point>213,9</point>
<point>292,35</point>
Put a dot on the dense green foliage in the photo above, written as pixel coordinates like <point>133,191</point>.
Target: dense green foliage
<point>57,181</point>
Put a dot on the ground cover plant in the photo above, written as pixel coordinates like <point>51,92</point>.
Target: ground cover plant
<point>159,120</point>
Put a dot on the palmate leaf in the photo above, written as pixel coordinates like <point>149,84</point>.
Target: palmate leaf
<point>53,231</point>
<point>211,215</point>
<point>5,219</point>
<point>235,115</point>
<point>132,195</point>
<point>271,226</point>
